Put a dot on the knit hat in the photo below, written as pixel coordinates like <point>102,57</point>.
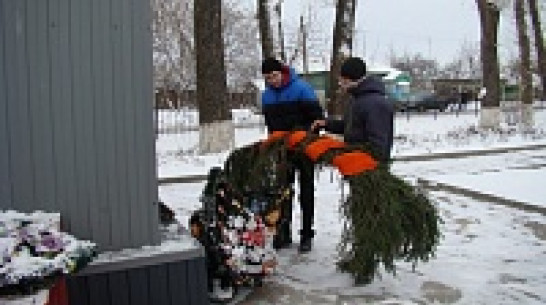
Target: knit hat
<point>271,64</point>
<point>353,68</point>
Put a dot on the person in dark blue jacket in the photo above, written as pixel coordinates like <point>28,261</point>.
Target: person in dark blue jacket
<point>290,103</point>
<point>368,117</point>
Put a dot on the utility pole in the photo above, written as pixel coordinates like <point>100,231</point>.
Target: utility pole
<point>278,9</point>
<point>303,30</point>
<point>363,44</point>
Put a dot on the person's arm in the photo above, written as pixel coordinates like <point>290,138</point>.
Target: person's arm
<point>316,113</point>
<point>309,103</point>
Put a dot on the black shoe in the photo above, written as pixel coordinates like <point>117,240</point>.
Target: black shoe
<point>305,245</point>
<point>283,239</point>
<point>280,242</point>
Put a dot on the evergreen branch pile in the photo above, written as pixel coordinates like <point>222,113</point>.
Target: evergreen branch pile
<point>386,219</point>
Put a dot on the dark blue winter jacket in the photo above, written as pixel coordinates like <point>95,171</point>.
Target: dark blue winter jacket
<point>368,118</point>
<point>293,105</point>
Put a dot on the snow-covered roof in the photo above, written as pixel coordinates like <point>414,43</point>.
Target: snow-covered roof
<point>321,66</point>
<point>390,73</point>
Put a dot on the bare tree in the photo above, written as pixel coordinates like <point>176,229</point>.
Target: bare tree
<point>526,83</point>
<point>525,50</point>
<point>241,46</point>
<point>174,45</point>
<point>216,127</point>
<point>539,43</point>
<point>187,73</point>
<point>342,49</point>
<point>307,43</point>
<point>489,12</point>
<point>172,42</point>
<point>265,28</point>
<point>420,69</point>
<point>465,65</point>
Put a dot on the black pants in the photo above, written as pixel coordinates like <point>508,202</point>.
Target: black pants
<point>305,168</point>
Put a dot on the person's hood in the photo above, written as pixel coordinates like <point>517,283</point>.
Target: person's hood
<point>370,84</point>
<point>289,75</point>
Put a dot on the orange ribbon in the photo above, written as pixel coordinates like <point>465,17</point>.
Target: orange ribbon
<point>348,164</point>
<point>354,163</point>
<point>321,146</point>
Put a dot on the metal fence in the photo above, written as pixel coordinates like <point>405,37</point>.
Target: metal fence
<point>511,111</point>
<point>176,111</point>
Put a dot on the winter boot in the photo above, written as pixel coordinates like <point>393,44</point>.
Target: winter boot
<point>306,241</point>
<point>305,245</point>
<point>283,239</point>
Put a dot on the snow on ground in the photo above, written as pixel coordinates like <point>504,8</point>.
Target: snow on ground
<point>489,254</point>
<point>177,153</point>
<point>182,198</point>
<point>421,134</point>
<point>517,176</point>
<point>429,133</point>
<point>526,185</point>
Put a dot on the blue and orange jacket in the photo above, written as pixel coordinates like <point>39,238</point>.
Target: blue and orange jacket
<point>294,105</point>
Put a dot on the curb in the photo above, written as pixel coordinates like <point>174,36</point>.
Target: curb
<point>416,158</point>
<point>438,186</point>
<point>468,153</point>
<point>182,179</point>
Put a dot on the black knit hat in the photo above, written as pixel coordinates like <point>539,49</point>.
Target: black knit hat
<point>353,68</point>
<point>271,64</point>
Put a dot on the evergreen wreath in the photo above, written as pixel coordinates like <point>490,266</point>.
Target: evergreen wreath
<point>386,218</point>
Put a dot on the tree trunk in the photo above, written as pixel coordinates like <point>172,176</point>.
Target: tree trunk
<point>342,49</point>
<point>215,124</point>
<point>526,82</point>
<point>282,51</point>
<point>265,29</point>
<point>489,20</point>
<point>539,44</point>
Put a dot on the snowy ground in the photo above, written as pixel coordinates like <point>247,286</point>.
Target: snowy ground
<point>421,134</point>
<point>489,254</point>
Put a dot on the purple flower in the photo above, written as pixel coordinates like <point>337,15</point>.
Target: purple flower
<point>50,243</point>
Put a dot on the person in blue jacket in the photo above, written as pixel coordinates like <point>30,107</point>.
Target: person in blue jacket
<point>368,117</point>
<point>290,103</point>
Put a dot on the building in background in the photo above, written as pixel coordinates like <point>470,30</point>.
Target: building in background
<point>397,82</point>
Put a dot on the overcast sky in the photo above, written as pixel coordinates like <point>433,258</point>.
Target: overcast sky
<point>432,27</point>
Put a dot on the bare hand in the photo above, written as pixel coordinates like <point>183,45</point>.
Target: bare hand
<point>318,124</point>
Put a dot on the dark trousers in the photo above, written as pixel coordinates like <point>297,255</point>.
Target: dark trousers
<point>305,168</point>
